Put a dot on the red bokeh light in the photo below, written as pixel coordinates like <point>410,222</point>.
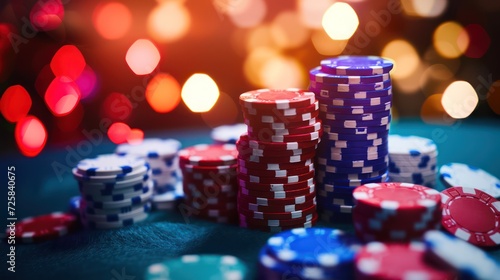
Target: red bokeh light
<point>62,96</point>
<point>68,61</point>
<point>30,135</point>
<point>47,15</point>
<point>116,107</point>
<point>15,103</point>
<point>135,136</point>
<point>119,132</point>
<point>479,41</point>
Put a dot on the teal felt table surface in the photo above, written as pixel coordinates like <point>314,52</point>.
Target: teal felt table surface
<point>126,253</point>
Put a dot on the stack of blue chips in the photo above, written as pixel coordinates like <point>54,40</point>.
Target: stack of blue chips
<point>355,97</point>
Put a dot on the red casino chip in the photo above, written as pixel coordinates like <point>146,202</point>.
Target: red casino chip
<point>276,117</point>
<point>282,112</point>
<point>278,194</point>
<point>209,169</point>
<point>245,151</point>
<point>45,227</point>
<point>279,160</point>
<point>281,208</point>
<point>208,155</point>
<point>273,166</point>
<point>276,173</point>
<point>250,221</point>
<point>258,124</point>
<point>471,215</point>
<point>264,201</point>
<point>378,260</point>
<point>306,137</point>
<point>258,132</point>
<point>307,224</point>
<point>298,214</point>
<point>276,180</point>
<point>278,99</point>
<point>274,186</point>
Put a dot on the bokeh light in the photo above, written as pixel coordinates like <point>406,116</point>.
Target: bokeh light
<point>62,96</point>
<point>246,13</point>
<point>287,30</point>
<point>87,82</point>
<point>425,9</point>
<point>433,112</point>
<point>325,45</point>
<point>71,121</point>
<point>406,59</point>
<point>142,57</point>
<point>47,15</point>
<point>118,132</point>
<point>68,61</point>
<point>459,99</point>
<point>168,22</point>
<point>259,37</point>
<point>412,83</point>
<point>30,135</point>
<point>479,40</point>
<point>254,63</point>
<point>199,93</point>
<point>163,93</point>
<point>282,72</point>
<point>15,103</point>
<point>450,40</point>
<point>494,97</point>
<point>340,21</point>
<point>116,106</point>
<point>112,20</point>
<point>311,11</point>
<point>225,103</point>
<point>136,136</point>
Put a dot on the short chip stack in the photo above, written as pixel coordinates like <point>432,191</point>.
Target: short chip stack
<point>395,211</point>
<point>115,190</point>
<point>161,155</point>
<point>412,159</point>
<point>354,94</point>
<point>209,181</point>
<point>312,253</point>
<point>275,162</point>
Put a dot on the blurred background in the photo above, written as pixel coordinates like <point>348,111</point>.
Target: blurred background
<point>123,68</point>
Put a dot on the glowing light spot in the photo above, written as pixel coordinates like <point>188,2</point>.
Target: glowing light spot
<point>259,37</point>
<point>87,82</point>
<point>200,93</point>
<point>459,99</point>
<point>340,21</point>
<point>142,57</point>
<point>226,104</point>
<point>282,72</point>
<point>168,22</point>
<point>494,97</point>
<point>325,45</point>
<point>135,136</point>
<point>163,93</point>
<point>311,11</point>
<point>479,40</point>
<point>112,20</point>
<point>68,61</point>
<point>47,15</point>
<point>405,58</point>
<point>450,40</point>
<point>62,96</point>
<point>71,121</point>
<point>118,132</point>
<point>426,9</point>
<point>116,107</point>
<point>15,103</point>
<point>30,135</point>
<point>411,83</point>
<point>252,67</point>
<point>288,31</point>
<point>432,111</point>
<point>246,13</point>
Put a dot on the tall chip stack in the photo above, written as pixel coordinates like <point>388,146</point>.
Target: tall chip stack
<point>413,159</point>
<point>115,190</point>
<point>355,97</point>
<point>161,155</point>
<point>209,182</point>
<point>275,162</point>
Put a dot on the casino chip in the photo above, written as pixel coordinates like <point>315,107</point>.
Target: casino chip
<point>188,267</point>
<point>468,176</point>
<point>378,260</point>
<point>412,159</point>
<point>228,134</point>
<point>470,261</point>
<point>45,227</point>
<point>161,155</point>
<point>355,98</point>
<point>471,215</point>
<point>209,181</point>
<point>395,211</point>
<point>105,197</point>
<point>275,159</point>
<point>312,253</point>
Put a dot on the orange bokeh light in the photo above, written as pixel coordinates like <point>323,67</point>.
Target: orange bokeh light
<point>142,57</point>
<point>68,61</point>
<point>119,132</point>
<point>163,93</point>
<point>62,96</point>
<point>112,20</point>
<point>47,15</point>
<point>30,135</point>
<point>135,136</point>
<point>168,22</point>
<point>15,103</point>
